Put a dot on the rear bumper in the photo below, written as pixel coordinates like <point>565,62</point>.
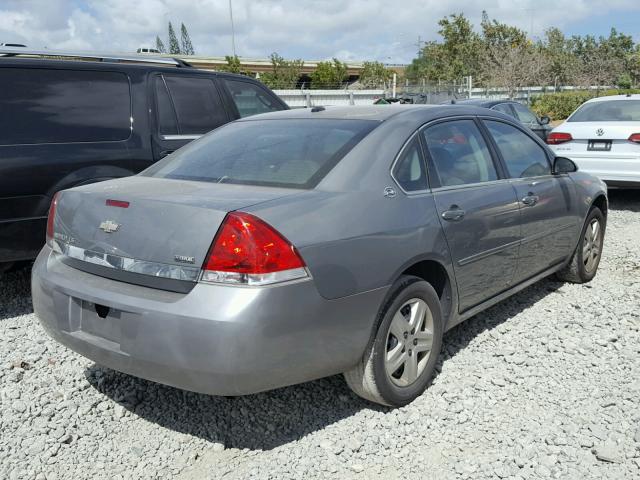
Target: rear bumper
<point>216,339</point>
<point>609,168</point>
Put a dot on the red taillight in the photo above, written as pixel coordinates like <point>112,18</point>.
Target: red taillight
<point>555,138</point>
<point>634,137</point>
<point>52,217</point>
<point>246,250</point>
<point>117,203</point>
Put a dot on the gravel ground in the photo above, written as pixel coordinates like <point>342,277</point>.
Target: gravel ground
<point>544,385</point>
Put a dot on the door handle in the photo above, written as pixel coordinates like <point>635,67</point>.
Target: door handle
<point>531,199</point>
<point>165,153</point>
<point>453,215</point>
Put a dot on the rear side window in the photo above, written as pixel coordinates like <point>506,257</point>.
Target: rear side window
<point>608,111</point>
<point>459,153</point>
<point>63,106</point>
<point>524,114</point>
<point>167,120</point>
<point>504,108</point>
<point>197,104</point>
<point>280,153</point>
<point>251,99</point>
<point>409,170</point>
<point>521,154</point>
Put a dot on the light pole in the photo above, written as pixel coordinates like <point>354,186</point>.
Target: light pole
<point>233,33</point>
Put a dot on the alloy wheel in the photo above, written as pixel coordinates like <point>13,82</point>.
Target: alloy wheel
<point>592,245</point>
<point>409,342</point>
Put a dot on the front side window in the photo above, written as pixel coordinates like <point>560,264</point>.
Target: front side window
<point>524,114</point>
<point>522,155</point>
<point>608,111</point>
<point>251,99</point>
<point>409,170</point>
<point>63,106</point>
<point>459,153</point>
<point>279,153</point>
<point>197,104</point>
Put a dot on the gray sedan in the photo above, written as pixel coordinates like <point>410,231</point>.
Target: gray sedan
<point>290,246</point>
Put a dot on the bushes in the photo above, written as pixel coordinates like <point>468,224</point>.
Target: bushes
<point>559,106</point>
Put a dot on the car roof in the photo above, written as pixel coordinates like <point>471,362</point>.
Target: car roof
<point>418,113</point>
<point>483,102</point>
<point>73,64</point>
<point>628,96</point>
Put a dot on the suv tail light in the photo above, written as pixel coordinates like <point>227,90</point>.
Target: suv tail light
<point>52,217</point>
<point>634,137</point>
<point>555,138</point>
<point>248,251</point>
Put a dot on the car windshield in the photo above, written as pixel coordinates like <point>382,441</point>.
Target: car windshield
<point>280,153</point>
<point>608,111</point>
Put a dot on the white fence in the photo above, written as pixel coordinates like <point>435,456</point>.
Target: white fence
<point>310,98</point>
<point>421,94</point>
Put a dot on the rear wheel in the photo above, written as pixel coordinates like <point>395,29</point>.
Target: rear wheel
<point>399,362</point>
<point>585,260</point>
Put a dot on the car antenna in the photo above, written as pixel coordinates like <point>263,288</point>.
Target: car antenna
<point>319,108</point>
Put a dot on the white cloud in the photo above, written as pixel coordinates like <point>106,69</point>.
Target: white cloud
<point>311,29</point>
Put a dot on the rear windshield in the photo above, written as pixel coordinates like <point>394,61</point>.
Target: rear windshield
<point>279,153</point>
<point>608,111</point>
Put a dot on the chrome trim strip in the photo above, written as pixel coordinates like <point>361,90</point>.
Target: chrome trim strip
<point>545,233</point>
<point>487,253</point>
<point>181,137</point>
<point>128,264</point>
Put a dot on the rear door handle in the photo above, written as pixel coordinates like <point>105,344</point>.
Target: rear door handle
<point>530,200</point>
<point>165,153</point>
<point>453,215</point>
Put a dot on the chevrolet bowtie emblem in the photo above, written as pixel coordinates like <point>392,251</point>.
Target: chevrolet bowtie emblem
<point>109,226</point>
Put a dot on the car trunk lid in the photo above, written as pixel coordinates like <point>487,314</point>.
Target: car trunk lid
<point>151,226</point>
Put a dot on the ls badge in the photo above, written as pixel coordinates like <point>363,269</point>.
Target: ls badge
<point>109,226</point>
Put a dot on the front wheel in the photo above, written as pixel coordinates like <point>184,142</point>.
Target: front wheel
<point>585,260</point>
<point>399,361</point>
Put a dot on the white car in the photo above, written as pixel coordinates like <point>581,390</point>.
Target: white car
<point>603,138</point>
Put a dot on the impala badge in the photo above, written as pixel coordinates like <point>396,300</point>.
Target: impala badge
<point>599,132</point>
<point>109,226</point>
<point>184,259</point>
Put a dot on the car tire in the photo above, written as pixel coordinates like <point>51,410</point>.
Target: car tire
<point>408,336</point>
<point>584,262</point>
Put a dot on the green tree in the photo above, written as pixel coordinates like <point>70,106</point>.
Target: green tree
<point>563,64</point>
<point>160,45</point>
<point>283,74</point>
<point>495,33</point>
<point>455,57</point>
<point>374,75</point>
<point>233,65</point>
<point>174,46</point>
<point>185,40</point>
<point>329,74</point>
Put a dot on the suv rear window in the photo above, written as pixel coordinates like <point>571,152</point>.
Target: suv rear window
<point>63,106</point>
<point>280,153</point>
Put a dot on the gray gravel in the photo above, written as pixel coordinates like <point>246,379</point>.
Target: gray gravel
<point>544,385</point>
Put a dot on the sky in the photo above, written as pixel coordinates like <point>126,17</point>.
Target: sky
<point>310,29</point>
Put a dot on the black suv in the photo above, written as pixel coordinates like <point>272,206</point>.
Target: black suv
<point>68,120</point>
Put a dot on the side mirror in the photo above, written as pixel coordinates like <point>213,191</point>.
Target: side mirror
<point>545,120</point>
<point>564,165</point>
